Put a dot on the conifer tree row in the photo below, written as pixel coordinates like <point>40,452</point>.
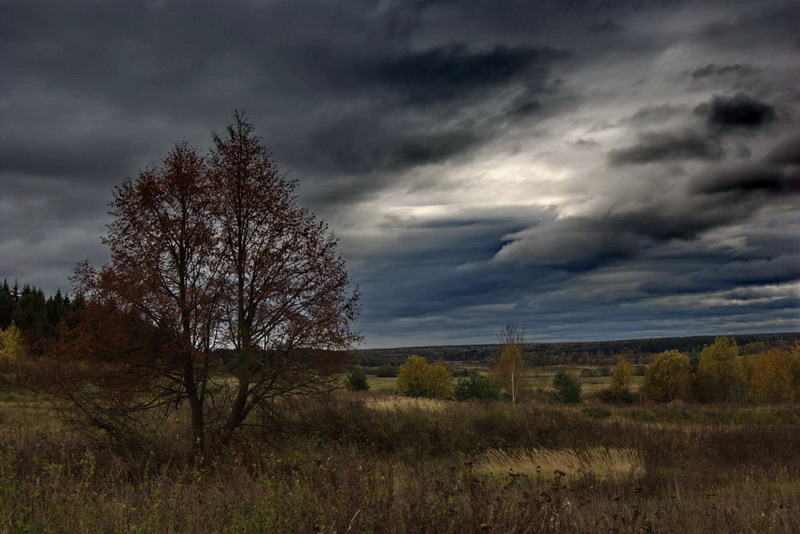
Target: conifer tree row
<point>35,314</point>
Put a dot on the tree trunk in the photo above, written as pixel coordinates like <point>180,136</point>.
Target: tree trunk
<point>198,426</point>
<point>237,413</point>
<point>196,405</point>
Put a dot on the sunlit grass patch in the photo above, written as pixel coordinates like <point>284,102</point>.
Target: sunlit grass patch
<point>604,463</point>
<point>382,383</point>
<point>397,402</point>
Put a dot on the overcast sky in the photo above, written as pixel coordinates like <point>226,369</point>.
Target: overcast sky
<point>586,169</point>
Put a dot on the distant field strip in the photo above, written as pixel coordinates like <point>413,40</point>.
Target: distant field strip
<point>604,463</point>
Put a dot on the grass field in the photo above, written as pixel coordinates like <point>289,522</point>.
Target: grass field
<point>377,462</point>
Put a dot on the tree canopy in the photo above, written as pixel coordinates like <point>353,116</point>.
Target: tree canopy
<point>224,275</point>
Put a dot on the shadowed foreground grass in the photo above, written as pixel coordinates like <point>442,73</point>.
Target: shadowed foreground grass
<point>345,466</point>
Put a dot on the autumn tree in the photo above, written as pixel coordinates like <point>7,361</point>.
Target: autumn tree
<point>668,377</point>
<point>11,344</point>
<point>794,366</point>
<point>214,255</point>
<point>771,377</point>
<point>720,373</point>
<point>284,284</point>
<point>510,366</point>
<point>164,269</point>
<point>621,377</point>
<point>418,378</point>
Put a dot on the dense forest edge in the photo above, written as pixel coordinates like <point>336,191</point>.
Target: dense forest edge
<point>579,352</point>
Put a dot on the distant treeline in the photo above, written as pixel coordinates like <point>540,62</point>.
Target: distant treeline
<point>32,312</point>
<point>589,352</point>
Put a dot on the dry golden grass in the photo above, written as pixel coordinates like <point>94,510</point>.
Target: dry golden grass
<point>603,463</point>
<point>397,402</point>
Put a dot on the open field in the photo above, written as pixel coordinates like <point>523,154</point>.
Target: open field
<point>375,462</point>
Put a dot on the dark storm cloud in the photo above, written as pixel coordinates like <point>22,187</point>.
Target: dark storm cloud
<point>660,147</point>
<point>727,275</point>
<point>72,155</point>
<point>755,25</point>
<point>740,111</point>
<point>447,72</point>
<point>714,70</point>
<point>354,146</point>
<point>786,153</point>
<point>607,26</point>
<point>576,243</point>
<point>586,242</point>
<point>750,179</point>
<point>427,107</point>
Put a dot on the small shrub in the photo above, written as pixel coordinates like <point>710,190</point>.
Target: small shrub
<point>566,388</point>
<point>357,379</point>
<point>476,387</point>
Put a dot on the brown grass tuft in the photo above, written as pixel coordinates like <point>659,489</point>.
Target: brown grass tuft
<point>397,402</point>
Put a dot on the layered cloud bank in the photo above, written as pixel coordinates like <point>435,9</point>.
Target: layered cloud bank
<point>587,170</point>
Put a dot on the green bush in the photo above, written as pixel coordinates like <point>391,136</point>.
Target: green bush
<point>626,396</point>
<point>357,379</point>
<point>566,388</point>
<point>476,387</point>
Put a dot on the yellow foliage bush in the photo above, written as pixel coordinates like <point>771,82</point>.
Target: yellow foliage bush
<point>621,376</point>
<point>11,345</point>
<point>720,372</point>
<point>771,377</point>
<point>668,377</point>
<point>418,378</point>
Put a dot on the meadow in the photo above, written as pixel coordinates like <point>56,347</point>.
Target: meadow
<point>377,462</point>
<point>535,379</point>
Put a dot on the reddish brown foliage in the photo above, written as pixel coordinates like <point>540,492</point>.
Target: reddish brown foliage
<point>209,255</point>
